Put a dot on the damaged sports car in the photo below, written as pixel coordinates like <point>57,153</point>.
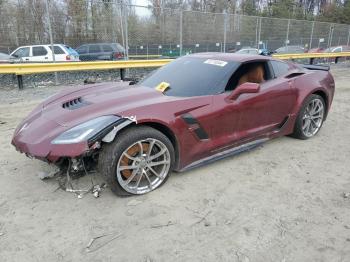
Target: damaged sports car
<point>196,109</point>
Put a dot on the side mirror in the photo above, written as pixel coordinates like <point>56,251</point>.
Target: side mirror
<point>245,88</point>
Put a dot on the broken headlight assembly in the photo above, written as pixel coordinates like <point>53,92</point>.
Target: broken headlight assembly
<point>86,130</point>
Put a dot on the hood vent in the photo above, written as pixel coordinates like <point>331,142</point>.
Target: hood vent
<point>75,104</point>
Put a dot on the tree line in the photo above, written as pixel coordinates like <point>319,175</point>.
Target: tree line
<point>80,21</point>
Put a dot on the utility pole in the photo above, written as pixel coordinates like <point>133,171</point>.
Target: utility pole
<point>287,36</point>
<point>225,30</point>
<point>51,38</point>
<point>312,34</point>
<point>181,36</point>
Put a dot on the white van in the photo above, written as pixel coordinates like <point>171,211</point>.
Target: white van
<point>43,53</point>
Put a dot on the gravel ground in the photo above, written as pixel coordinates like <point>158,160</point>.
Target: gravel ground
<point>281,202</point>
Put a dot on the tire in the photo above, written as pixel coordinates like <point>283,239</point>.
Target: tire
<point>131,149</point>
<point>305,116</point>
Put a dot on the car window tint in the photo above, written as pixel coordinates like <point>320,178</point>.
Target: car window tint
<point>107,48</point>
<point>192,76</point>
<point>94,49</point>
<point>57,50</point>
<point>82,49</point>
<point>39,51</point>
<point>336,50</point>
<point>279,68</point>
<point>22,52</point>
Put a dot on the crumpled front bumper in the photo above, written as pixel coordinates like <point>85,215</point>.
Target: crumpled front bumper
<point>34,135</point>
<point>49,152</point>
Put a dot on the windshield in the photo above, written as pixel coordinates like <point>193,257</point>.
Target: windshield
<point>192,76</point>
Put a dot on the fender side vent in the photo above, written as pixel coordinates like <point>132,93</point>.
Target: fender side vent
<point>75,104</point>
<point>195,126</point>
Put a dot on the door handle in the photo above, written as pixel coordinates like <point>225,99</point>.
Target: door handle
<point>27,59</point>
<point>46,57</point>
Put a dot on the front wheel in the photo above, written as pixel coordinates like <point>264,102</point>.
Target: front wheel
<point>138,161</point>
<point>310,117</point>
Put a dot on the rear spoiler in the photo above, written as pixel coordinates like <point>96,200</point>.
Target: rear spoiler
<point>316,67</point>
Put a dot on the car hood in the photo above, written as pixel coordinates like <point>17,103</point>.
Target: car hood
<point>80,104</point>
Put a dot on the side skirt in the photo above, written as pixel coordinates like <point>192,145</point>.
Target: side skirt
<point>224,154</point>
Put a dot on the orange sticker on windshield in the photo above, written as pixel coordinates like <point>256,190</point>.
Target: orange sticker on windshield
<point>162,86</point>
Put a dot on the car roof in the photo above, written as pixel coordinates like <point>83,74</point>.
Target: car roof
<point>248,48</point>
<point>101,44</point>
<point>228,57</point>
<point>39,45</point>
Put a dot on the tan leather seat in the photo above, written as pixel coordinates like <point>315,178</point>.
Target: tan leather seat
<point>254,75</point>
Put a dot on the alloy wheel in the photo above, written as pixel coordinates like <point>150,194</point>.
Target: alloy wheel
<point>143,166</point>
<point>313,117</point>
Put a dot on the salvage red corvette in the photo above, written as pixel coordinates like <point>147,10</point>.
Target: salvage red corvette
<point>196,109</point>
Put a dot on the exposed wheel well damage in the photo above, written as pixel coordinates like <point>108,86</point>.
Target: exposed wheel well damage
<point>132,123</point>
<point>126,121</point>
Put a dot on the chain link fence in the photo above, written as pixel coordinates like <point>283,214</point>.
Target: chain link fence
<point>153,32</point>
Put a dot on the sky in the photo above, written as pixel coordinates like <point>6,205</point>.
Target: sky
<point>142,11</point>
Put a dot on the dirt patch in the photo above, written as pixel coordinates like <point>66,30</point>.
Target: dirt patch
<point>281,202</point>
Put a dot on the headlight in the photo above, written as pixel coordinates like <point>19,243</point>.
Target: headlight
<point>85,130</point>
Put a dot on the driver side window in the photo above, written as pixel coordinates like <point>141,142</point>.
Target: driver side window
<point>254,72</point>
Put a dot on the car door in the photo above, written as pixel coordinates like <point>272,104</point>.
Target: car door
<point>40,54</point>
<point>59,53</point>
<point>251,115</point>
<point>94,52</point>
<point>22,54</point>
<point>107,52</point>
<point>267,110</point>
<point>225,121</point>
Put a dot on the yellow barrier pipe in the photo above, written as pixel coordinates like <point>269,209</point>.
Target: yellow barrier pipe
<point>34,68</point>
<point>144,56</point>
<point>311,55</point>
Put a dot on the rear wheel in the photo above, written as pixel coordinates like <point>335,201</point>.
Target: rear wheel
<point>138,161</point>
<point>310,118</point>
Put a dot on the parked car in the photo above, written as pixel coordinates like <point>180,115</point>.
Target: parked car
<point>43,53</point>
<point>101,51</point>
<point>5,58</point>
<point>196,109</point>
<point>248,50</point>
<point>290,49</point>
<point>254,51</point>
<point>176,53</point>
<point>336,49</point>
<point>316,50</point>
